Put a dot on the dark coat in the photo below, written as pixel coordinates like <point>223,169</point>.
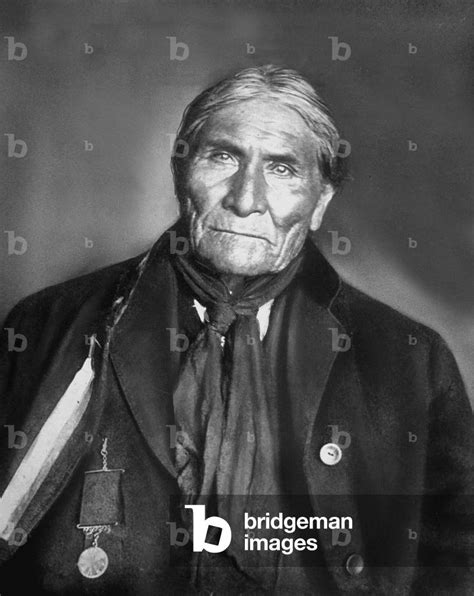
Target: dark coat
<point>406,477</point>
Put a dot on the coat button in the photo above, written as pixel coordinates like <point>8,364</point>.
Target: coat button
<point>354,564</point>
<point>330,454</point>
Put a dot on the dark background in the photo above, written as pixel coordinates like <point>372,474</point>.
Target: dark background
<point>128,95</point>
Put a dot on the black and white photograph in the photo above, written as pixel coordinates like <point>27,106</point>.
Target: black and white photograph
<point>237,351</point>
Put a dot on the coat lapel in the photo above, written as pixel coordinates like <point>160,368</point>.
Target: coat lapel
<point>141,353</point>
<point>317,337</point>
<point>298,346</point>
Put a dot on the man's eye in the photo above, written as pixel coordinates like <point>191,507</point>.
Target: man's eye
<point>281,169</point>
<point>222,157</point>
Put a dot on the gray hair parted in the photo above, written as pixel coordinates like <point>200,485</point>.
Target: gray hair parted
<point>283,84</point>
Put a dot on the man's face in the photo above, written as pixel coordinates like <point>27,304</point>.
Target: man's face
<point>253,188</point>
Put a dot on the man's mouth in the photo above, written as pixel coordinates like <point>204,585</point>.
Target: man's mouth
<point>240,233</point>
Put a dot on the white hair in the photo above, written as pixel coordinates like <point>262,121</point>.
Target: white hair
<point>287,86</point>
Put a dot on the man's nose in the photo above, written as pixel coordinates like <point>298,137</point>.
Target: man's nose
<point>247,193</point>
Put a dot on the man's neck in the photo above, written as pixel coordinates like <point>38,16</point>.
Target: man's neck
<point>233,282</point>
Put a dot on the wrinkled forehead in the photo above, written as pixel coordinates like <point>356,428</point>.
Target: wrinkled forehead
<point>265,124</point>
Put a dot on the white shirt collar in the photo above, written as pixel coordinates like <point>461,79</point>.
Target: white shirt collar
<point>263,315</point>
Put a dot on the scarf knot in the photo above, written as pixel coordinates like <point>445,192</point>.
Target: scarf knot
<point>222,314</point>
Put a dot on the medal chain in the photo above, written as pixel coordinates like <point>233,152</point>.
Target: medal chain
<point>95,531</point>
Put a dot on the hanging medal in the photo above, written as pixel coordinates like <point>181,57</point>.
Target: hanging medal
<point>100,511</point>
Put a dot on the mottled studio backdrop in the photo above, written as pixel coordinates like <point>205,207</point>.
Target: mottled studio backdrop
<point>95,90</point>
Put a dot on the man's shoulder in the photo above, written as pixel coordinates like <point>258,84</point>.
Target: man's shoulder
<point>399,357</point>
<point>369,318</point>
<point>64,299</point>
<point>56,320</point>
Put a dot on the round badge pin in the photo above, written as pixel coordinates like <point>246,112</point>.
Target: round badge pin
<point>93,562</point>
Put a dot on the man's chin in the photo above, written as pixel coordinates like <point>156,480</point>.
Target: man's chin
<point>240,263</point>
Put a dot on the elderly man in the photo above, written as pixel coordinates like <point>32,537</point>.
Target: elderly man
<point>231,367</point>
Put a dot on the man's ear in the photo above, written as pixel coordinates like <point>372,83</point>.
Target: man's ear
<point>326,195</point>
